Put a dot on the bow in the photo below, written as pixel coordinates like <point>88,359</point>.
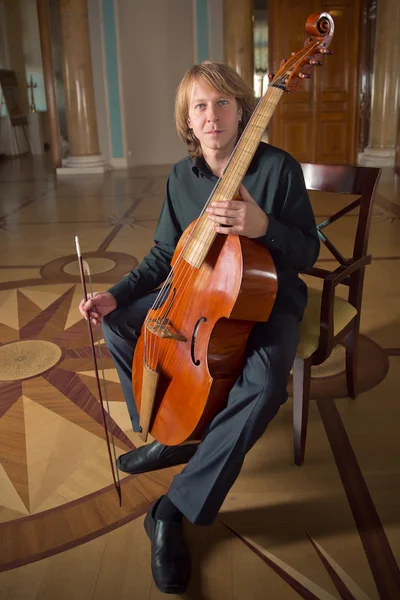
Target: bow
<point>83,266</point>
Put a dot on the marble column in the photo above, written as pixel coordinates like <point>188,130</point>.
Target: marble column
<point>381,148</point>
<point>238,37</point>
<point>84,153</point>
<point>49,79</point>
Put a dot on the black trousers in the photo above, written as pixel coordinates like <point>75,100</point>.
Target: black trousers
<point>200,489</point>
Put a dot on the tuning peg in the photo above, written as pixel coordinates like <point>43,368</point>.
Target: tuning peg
<point>271,76</point>
<point>325,51</point>
<point>292,53</point>
<point>304,76</point>
<point>315,63</point>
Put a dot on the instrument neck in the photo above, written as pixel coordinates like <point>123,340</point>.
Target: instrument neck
<point>228,186</point>
<point>247,145</point>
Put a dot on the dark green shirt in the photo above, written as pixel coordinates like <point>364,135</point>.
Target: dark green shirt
<point>275,180</point>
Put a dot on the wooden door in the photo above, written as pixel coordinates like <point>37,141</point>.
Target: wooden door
<point>318,123</point>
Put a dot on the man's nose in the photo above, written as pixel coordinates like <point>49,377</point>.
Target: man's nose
<point>212,115</point>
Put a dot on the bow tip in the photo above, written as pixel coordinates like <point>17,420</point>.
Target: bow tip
<point>78,248</point>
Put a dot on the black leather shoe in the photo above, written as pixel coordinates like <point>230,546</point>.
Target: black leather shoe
<point>170,560</point>
<point>154,456</point>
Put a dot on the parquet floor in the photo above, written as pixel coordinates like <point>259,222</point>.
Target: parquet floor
<point>329,529</point>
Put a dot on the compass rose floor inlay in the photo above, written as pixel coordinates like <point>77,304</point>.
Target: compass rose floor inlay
<point>327,530</point>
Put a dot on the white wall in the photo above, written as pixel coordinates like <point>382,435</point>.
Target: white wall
<point>156,48</point>
<point>32,51</point>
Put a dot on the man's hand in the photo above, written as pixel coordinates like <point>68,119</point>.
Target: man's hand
<point>240,217</point>
<point>98,306</point>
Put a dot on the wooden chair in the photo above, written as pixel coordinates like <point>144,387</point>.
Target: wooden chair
<point>329,319</point>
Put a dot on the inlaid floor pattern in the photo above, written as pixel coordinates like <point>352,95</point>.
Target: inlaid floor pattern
<point>329,529</point>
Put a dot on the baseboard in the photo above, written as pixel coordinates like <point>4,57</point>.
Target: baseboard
<point>119,163</point>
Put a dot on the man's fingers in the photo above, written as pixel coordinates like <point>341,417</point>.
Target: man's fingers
<point>85,306</point>
<point>224,214</point>
<point>89,304</point>
<point>227,230</point>
<point>225,205</point>
<point>232,211</point>
<point>224,220</point>
<point>82,310</point>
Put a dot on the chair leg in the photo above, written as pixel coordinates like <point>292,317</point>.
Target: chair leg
<point>351,343</point>
<point>301,398</point>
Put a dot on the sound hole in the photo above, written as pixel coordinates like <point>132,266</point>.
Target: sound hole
<point>196,329</point>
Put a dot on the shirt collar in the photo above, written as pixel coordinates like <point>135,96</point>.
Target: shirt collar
<point>201,169</point>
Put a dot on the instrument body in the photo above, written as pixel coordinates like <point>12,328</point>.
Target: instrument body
<point>234,288</point>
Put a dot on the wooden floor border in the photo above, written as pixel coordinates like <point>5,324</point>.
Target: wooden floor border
<point>38,536</point>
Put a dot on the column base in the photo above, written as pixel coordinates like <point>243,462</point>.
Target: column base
<point>81,171</point>
<point>82,165</point>
<point>377,157</point>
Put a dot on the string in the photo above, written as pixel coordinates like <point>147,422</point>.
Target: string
<point>203,228</point>
<point>183,276</point>
<point>255,121</point>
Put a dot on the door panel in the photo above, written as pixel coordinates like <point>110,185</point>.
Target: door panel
<point>318,122</point>
<point>295,137</point>
<point>293,122</point>
<point>336,85</point>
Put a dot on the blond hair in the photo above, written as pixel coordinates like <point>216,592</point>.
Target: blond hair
<point>222,78</point>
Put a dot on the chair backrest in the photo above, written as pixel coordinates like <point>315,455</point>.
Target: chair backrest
<point>359,181</point>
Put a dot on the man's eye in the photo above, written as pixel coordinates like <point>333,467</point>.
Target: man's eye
<point>199,105</point>
<point>223,102</point>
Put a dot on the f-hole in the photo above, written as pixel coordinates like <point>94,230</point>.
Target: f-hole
<point>196,328</point>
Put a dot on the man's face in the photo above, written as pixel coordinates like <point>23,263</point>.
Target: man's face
<point>214,117</point>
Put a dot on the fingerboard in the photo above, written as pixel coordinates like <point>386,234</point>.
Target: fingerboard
<point>204,234</point>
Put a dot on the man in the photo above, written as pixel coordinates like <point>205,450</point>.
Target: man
<point>213,106</point>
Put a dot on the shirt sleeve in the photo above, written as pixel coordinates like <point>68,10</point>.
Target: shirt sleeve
<point>155,267</point>
<point>292,231</point>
